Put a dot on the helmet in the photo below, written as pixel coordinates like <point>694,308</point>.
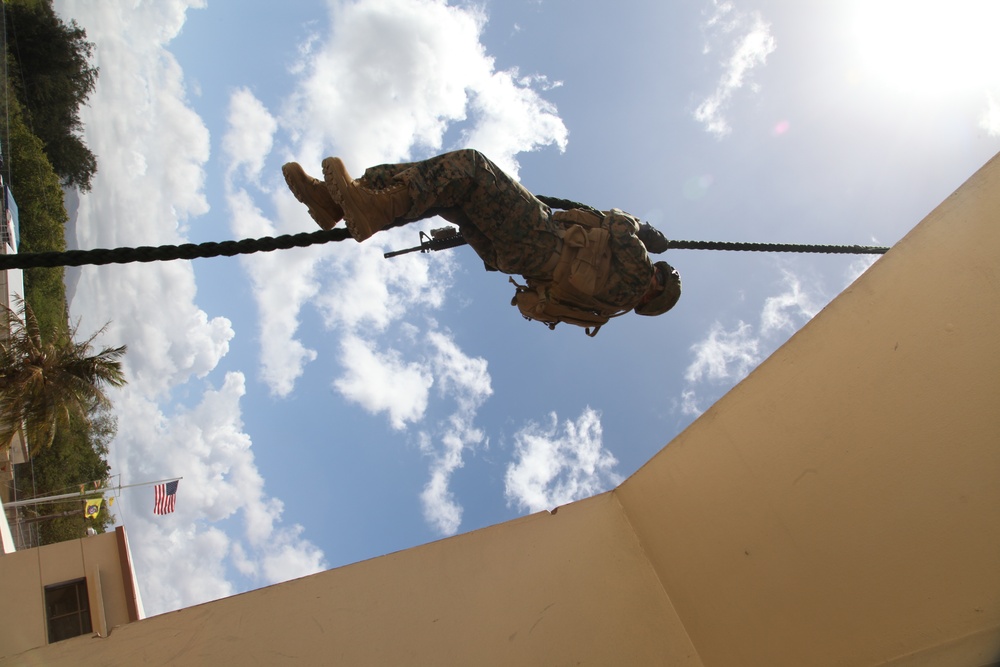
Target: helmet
<point>665,300</point>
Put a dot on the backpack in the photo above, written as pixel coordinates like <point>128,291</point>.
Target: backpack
<point>581,270</point>
<point>538,303</point>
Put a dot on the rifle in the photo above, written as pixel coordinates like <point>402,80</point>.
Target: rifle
<point>449,237</point>
<point>441,238</point>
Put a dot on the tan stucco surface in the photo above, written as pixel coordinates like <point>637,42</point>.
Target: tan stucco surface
<point>25,574</point>
<point>841,506</point>
<point>498,596</point>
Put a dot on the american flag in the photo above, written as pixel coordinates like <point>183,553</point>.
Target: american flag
<point>166,498</point>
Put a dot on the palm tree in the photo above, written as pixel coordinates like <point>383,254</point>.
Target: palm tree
<point>46,379</point>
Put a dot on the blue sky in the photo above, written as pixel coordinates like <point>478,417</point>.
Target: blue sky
<point>325,405</point>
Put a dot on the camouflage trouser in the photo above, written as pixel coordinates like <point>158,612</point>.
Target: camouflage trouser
<point>505,224</point>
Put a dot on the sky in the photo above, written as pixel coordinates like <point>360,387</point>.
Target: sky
<point>326,405</point>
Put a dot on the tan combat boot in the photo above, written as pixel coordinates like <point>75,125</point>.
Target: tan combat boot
<point>366,210</point>
<point>314,194</point>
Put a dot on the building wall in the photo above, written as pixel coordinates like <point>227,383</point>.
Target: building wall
<point>25,574</point>
<point>572,587</point>
<point>841,506</point>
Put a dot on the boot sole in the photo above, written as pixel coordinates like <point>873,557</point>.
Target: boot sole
<point>297,181</point>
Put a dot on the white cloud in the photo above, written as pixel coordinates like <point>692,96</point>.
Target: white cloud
<point>251,133</point>
<point>289,556</point>
<point>788,310</point>
<point>859,266</point>
<point>725,356</point>
<point>182,558</point>
<point>990,120</point>
<point>153,199</point>
<point>365,290</point>
<point>280,283</point>
<point>396,74</point>
<point>383,382</point>
<point>512,117</point>
<point>441,510</point>
<point>747,41</point>
<point>688,404</point>
<point>467,381</point>
<point>152,152</point>
<point>188,563</point>
<point>170,339</point>
<point>391,79</point>
<point>556,465</point>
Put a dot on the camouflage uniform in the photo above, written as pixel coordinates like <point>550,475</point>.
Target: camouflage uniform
<point>508,227</point>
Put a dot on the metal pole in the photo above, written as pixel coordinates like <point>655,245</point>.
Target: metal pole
<point>84,495</point>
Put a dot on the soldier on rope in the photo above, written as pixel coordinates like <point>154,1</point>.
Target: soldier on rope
<point>580,266</point>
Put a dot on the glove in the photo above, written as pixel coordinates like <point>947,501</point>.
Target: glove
<point>652,238</point>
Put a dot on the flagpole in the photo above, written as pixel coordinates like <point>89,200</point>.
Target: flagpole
<point>83,495</point>
<point>159,481</point>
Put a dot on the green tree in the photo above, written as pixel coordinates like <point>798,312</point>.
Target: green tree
<point>46,380</point>
<point>53,77</point>
<point>78,449</point>
<point>42,214</point>
<point>77,455</point>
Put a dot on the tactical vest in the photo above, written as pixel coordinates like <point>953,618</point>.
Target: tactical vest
<point>581,269</point>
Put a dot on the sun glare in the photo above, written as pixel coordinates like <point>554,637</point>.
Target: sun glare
<point>931,46</point>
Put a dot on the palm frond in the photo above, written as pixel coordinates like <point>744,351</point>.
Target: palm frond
<point>45,380</point>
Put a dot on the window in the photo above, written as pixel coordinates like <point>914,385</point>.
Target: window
<point>67,610</point>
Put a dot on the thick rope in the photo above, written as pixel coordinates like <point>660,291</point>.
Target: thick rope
<point>778,247</point>
<point>164,253</point>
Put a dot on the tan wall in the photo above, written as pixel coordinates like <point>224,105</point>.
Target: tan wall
<point>569,588</point>
<point>25,574</point>
<point>841,506</point>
